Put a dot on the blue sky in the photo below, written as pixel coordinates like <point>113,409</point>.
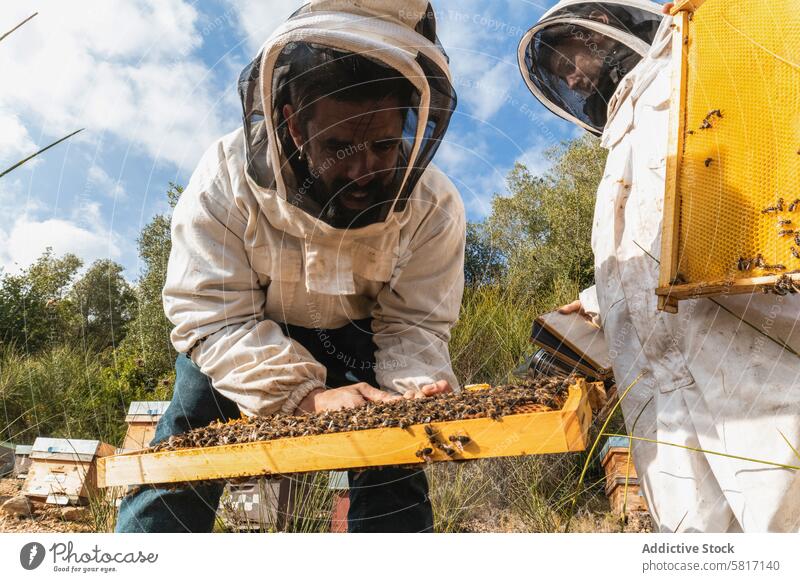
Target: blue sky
<point>153,83</point>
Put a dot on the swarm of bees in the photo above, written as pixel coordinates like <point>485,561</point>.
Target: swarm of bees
<point>543,393</point>
<point>785,283</point>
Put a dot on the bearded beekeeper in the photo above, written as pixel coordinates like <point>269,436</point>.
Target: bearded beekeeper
<point>317,256</point>
<point>716,377</point>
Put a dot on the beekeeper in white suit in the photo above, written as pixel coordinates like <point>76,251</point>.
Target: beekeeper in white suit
<point>317,256</point>
<point>723,374</point>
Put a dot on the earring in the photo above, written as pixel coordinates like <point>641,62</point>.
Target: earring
<point>300,154</point>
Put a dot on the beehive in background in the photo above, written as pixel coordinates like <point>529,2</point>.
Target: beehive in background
<point>622,481</point>
<point>22,460</point>
<point>734,161</point>
<point>64,471</point>
<point>142,419</point>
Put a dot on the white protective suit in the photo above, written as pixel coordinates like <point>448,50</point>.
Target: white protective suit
<point>244,258</point>
<point>711,381</point>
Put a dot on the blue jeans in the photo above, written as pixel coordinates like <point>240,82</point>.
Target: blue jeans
<point>381,500</point>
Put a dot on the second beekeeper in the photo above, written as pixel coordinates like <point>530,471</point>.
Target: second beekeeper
<point>718,380</point>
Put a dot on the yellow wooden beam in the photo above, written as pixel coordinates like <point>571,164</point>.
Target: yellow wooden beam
<point>519,434</point>
<point>677,121</point>
<point>733,287</point>
<point>686,6</point>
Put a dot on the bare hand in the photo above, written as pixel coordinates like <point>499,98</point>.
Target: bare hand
<point>439,387</point>
<point>351,396</point>
<point>574,307</point>
<point>667,7</point>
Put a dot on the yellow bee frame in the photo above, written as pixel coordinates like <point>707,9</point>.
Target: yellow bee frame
<point>730,222</point>
<point>533,433</point>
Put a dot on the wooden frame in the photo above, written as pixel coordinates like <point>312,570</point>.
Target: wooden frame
<point>534,433</point>
<point>670,288</point>
<point>732,287</point>
<point>670,226</point>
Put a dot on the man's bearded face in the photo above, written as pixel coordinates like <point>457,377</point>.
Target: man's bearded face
<point>353,150</point>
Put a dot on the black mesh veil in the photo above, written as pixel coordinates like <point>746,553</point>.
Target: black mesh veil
<point>577,54</point>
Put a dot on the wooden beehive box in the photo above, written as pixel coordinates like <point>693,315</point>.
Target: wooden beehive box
<point>254,503</point>
<point>22,460</point>
<point>6,458</point>
<point>622,481</point>
<point>731,206</point>
<point>142,419</point>
<point>532,433</point>
<point>64,471</point>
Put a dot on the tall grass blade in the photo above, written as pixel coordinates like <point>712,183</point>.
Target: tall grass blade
<point>17,26</point>
<point>44,149</point>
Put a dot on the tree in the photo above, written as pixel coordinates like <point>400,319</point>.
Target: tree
<point>544,228</point>
<point>483,261</point>
<point>105,302</point>
<point>35,310</point>
<point>148,339</point>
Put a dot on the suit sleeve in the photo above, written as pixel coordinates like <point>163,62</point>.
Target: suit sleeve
<point>590,303</point>
<point>416,311</point>
<point>213,297</point>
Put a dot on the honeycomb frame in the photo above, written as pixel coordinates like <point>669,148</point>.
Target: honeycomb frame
<point>734,152</point>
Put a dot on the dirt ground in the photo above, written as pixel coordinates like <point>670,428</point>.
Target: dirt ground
<point>45,518</point>
<point>48,519</point>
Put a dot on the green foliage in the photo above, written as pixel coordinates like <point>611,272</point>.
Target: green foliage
<point>148,338</point>
<point>532,254</point>
<point>544,228</point>
<point>483,261</point>
<point>35,309</point>
<point>105,302</point>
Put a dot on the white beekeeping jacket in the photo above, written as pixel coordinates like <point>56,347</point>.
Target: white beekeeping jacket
<point>245,255</point>
<point>716,376</point>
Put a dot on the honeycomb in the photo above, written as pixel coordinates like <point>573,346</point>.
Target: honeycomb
<point>742,142</point>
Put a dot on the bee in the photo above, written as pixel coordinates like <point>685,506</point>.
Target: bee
<point>448,450</point>
<point>706,124</point>
<point>784,222</point>
<point>429,431</point>
<point>744,264</point>
<point>770,209</point>
<point>786,232</point>
<point>780,205</point>
<point>459,440</point>
<point>797,238</point>
<point>708,161</point>
<point>424,454</point>
<point>777,267</point>
<point>690,132</point>
<point>759,262</point>
<point>678,280</point>
<point>795,253</point>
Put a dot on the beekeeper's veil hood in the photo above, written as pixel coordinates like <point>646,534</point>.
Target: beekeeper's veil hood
<point>576,55</point>
<point>380,40</point>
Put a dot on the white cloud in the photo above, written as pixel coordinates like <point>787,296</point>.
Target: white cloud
<point>99,181</point>
<point>259,18</point>
<point>470,31</point>
<point>118,66</point>
<point>15,142</point>
<point>534,159</point>
<point>27,240</point>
